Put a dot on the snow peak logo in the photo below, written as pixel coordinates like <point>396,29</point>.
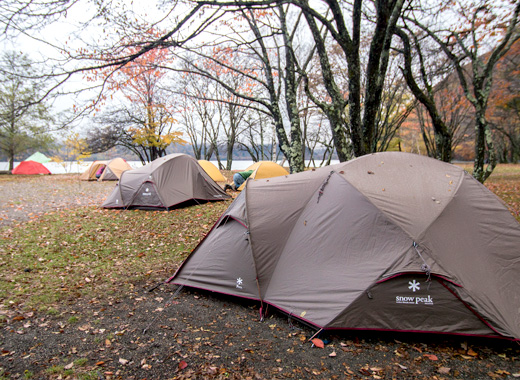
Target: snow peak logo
<point>239,283</point>
<point>414,300</point>
<point>147,192</point>
<point>428,300</point>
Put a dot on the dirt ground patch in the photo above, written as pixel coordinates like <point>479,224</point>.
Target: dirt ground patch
<point>137,336</point>
<point>162,334</point>
<point>147,335</point>
<point>26,197</point>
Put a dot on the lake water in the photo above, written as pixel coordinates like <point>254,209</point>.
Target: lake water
<point>75,167</point>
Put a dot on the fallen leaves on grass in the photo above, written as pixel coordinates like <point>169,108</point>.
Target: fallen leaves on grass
<point>53,259</point>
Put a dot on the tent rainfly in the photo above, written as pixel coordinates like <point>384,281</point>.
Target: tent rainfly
<point>212,170</point>
<point>388,241</point>
<point>112,170</point>
<point>30,168</point>
<point>264,169</point>
<point>164,183</point>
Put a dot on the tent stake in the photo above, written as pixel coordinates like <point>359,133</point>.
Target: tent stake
<point>155,287</point>
<point>317,333</point>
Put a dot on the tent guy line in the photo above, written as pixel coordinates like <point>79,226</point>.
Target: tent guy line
<point>170,300</point>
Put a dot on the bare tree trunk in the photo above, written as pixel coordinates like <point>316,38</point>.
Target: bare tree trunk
<point>442,135</point>
<point>296,153</point>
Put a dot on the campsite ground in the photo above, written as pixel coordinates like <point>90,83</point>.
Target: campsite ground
<point>75,302</point>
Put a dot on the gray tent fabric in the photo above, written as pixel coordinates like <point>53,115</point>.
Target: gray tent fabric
<point>163,183</point>
<point>388,241</point>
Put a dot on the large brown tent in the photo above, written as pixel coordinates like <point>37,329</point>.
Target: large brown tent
<point>112,170</point>
<point>388,241</point>
<point>165,182</point>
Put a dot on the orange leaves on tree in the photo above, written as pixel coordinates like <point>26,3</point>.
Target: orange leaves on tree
<point>139,81</point>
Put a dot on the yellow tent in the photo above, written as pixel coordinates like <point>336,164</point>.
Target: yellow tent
<point>265,169</point>
<point>212,171</point>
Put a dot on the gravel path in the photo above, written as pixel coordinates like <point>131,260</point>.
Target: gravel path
<point>24,198</point>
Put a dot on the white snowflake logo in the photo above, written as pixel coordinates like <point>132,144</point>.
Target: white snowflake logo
<point>414,285</point>
<point>239,281</point>
<point>146,190</point>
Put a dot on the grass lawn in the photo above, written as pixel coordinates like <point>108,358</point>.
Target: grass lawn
<point>92,252</point>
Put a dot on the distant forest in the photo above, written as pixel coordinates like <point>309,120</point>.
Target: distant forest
<point>239,153</point>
